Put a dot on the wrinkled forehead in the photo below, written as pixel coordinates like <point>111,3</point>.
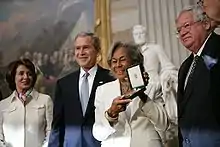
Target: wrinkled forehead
<point>184,17</point>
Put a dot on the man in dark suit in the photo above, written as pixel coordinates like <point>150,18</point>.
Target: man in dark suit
<point>198,81</point>
<point>74,97</point>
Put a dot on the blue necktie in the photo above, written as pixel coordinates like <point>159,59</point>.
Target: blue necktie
<point>84,95</point>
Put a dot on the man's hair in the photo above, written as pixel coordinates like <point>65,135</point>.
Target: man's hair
<point>198,13</point>
<point>95,39</point>
<point>132,51</point>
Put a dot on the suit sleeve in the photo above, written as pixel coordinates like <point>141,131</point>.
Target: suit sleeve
<point>49,118</point>
<point>101,128</point>
<point>57,133</point>
<point>155,112</point>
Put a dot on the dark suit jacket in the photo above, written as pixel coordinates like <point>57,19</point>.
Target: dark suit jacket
<point>199,103</point>
<point>70,128</point>
<point>1,96</point>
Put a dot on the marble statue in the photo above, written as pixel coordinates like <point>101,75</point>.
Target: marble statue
<point>160,69</point>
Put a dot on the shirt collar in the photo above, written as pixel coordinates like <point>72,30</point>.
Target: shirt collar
<point>202,47</point>
<point>91,72</point>
<point>33,94</point>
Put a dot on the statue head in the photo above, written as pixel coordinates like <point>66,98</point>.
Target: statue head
<point>139,34</point>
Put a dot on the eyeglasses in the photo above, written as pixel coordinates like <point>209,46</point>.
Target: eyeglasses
<point>200,3</point>
<point>187,27</point>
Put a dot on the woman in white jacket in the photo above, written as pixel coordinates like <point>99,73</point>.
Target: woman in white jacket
<point>121,122</point>
<point>26,115</point>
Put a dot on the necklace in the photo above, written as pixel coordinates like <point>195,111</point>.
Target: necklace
<point>125,87</point>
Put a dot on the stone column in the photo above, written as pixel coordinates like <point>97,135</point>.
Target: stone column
<point>159,18</point>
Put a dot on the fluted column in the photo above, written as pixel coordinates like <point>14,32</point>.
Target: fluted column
<point>103,27</point>
<point>159,18</point>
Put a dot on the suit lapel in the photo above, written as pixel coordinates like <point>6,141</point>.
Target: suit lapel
<point>115,92</point>
<point>97,81</point>
<point>189,86</point>
<point>75,92</point>
<point>184,71</point>
<point>210,48</point>
<point>132,108</point>
<point>182,77</point>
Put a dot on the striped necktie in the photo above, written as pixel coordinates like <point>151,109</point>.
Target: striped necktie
<point>192,70</point>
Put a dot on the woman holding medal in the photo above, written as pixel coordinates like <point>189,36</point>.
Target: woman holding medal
<point>119,120</point>
<point>26,115</point>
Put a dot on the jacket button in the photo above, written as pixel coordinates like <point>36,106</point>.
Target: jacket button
<point>187,140</point>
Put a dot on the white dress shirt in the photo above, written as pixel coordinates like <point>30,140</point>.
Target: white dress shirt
<point>91,77</point>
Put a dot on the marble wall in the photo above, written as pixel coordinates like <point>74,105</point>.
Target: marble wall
<point>159,18</point>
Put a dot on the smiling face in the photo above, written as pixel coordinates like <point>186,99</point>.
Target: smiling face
<point>192,34</point>
<point>23,78</point>
<point>85,53</point>
<point>119,63</point>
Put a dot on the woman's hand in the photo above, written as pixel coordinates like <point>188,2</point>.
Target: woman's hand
<point>118,105</point>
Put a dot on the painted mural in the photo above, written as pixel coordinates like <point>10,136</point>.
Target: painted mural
<point>42,30</point>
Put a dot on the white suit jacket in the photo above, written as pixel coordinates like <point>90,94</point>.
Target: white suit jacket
<point>136,126</point>
<point>27,126</point>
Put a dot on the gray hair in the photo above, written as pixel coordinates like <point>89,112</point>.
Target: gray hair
<point>95,39</point>
<point>132,50</point>
<point>198,13</point>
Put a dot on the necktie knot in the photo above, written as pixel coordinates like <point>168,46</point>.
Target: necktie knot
<point>196,58</point>
<point>86,75</point>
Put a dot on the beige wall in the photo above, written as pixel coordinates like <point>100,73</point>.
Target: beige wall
<point>124,14</point>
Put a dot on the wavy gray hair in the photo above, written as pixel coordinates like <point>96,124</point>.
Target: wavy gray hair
<point>198,13</point>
